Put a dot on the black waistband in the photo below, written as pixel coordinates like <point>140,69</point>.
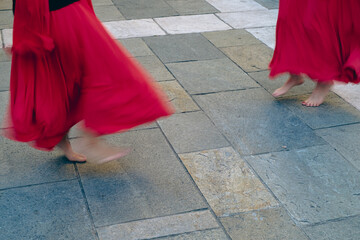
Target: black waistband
<point>58,4</point>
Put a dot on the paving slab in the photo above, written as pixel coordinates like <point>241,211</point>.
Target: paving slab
<point>349,92</point>
<point>211,76</point>
<point>250,58</point>
<point>22,165</point>
<point>183,47</point>
<point>270,4</point>
<point>136,9</point>
<point>250,19</point>
<point>236,5</point>
<point>230,38</point>
<point>101,2</point>
<point>262,77</point>
<point>315,184</point>
<point>4,102</point>
<point>191,132</point>
<point>108,13</point>
<point>150,182</point>
<point>179,97</point>
<point>155,67</point>
<point>192,24</point>
<point>158,227</point>
<point>6,5</point>
<point>264,34</point>
<point>345,140</point>
<point>134,28</point>
<point>4,57</point>
<point>47,211</point>
<point>217,234</point>
<point>7,35</point>
<point>347,229</point>
<point>5,68</point>
<point>6,19</point>
<point>136,47</point>
<point>266,224</point>
<point>227,182</point>
<point>186,7</point>
<point>333,112</point>
<point>255,123</point>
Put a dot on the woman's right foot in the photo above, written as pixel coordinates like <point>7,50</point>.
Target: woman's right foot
<point>293,81</point>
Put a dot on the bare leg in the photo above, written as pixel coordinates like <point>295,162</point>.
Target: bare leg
<point>72,156</point>
<point>318,95</point>
<point>293,81</point>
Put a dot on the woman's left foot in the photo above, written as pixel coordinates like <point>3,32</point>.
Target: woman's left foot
<point>318,95</point>
<point>69,153</point>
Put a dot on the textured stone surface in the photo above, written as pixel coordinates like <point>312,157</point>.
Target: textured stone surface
<point>183,47</point>
<point>149,182</point>
<point>21,165</point>
<point>134,28</point>
<point>251,57</point>
<point>155,67</point>
<point>255,123</point>
<point>4,57</point>
<point>178,97</point>
<point>5,68</point>
<point>101,2</point>
<point>4,101</point>
<point>211,76</point>
<point>349,92</point>
<point>226,181</point>
<point>47,211</point>
<point>345,140</point>
<point>346,229</point>
<point>158,227</point>
<point>315,184</point>
<point>190,132</point>
<point>213,234</point>
<point>6,5</point>
<point>236,5</point>
<point>192,24</point>
<point>251,19</point>
<point>265,34</point>
<point>333,112</point>
<point>267,224</point>
<point>7,37</point>
<point>136,47</point>
<point>135,9</point>
<point>231,38</point>
<point>185,7</point>
<point>108,13</point>
<point>270,4</point>
<point>6,19</point>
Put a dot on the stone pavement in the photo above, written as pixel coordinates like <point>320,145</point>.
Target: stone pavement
<point>232,163</point>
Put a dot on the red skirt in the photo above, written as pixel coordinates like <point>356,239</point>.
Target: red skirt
<point>87,77</point>
<point>318,38</point>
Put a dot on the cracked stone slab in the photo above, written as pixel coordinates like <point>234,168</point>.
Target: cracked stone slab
<point>211,76</point>
<point>158,227</point>
<point>155,67</point>
<point>192,24</point>
<point>236,5</point>
<point>315,184</point>
<point>230,38</point>
<point>185,7</point>
<point>255,123</point>
<point>266,224</point>
<point>136,46</point>
<point>227,182</point>
<point>265,34</point>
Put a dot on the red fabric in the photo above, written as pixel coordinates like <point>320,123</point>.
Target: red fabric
<point>67,68</point>
<point>319,38</point>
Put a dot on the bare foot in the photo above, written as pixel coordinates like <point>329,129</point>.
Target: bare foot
<point>318,95</point>
<point>72,156</point>
<point>293,81</point>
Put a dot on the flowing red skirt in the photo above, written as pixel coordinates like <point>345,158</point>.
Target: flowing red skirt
<point>318,38</point>
<point>88,76</point>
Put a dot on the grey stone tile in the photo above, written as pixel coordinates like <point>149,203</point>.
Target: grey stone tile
<point>178,97</point>
<point>136,47</point>
<point>213,234</point>
<point>5,68</point>
<point>101,2</point>
<point>250,58</point>
<point>47,211</point>
<point>347,229</point>
<point>139,9</point>
<point>270,4</point>
<point>4,102</point>
<point>149,182</point>
<point>333,112</point>
<point>6,5</point>
<point>231,38</point>
<point>155,67</point>
<point>271,85</point>
<point>267,224</point>
<point>255,123</point>
<point>21,165</point>
<point>345,140</point>
<point>183,47</point>
<point>158,227</point>
<point>315,184</point>
<point>3,56</point>
<point>185,7</point>
<point>108,13</point>
<point>211,76</point>
<point>6,19</point>
<point>191,132</point>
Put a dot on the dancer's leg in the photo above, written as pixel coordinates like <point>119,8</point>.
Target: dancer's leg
<point>293,81</point>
